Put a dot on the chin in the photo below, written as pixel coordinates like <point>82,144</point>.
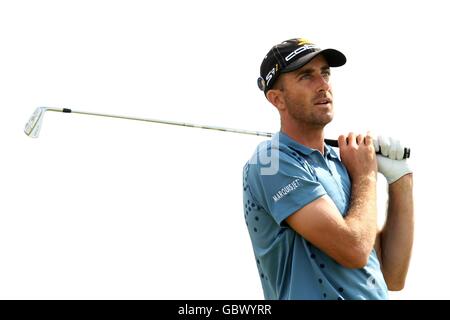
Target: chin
<point>326,119</point>
<point>330,116</point>
<point>324,123</point>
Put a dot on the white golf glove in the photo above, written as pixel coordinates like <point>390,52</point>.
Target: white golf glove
<point>391,163</point>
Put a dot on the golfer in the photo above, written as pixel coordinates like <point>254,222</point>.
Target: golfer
<point>312,213</point>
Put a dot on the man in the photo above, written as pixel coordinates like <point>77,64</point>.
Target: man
<point>312,216</point>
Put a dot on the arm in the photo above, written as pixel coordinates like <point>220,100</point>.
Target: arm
<point>395,240</point>
<point>348,240</point>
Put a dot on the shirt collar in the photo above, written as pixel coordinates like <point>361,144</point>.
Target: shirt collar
<point>329,151</point>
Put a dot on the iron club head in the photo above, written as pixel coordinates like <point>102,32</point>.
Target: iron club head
<point>33,126</point>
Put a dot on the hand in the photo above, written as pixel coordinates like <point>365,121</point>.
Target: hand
<point>391,164</point>
<point>358,155</point>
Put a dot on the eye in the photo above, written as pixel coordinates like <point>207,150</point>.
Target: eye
<point>326,73</point>
<point>305,76</point>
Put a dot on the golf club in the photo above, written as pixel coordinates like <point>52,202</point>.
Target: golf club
<point>34,125</point>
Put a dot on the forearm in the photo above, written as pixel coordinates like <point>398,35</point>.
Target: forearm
<point>361,218</point>
<point>396,237</point>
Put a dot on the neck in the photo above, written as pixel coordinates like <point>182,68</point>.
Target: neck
<point>310,136</point>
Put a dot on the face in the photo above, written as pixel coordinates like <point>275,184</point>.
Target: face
<point>305,94</point>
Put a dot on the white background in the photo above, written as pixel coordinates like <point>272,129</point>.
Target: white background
<point>112,209</point>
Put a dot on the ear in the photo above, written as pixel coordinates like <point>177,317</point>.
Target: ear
<point>276,98</point>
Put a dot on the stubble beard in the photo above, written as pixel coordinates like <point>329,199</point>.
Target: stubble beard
<point>310,117</point>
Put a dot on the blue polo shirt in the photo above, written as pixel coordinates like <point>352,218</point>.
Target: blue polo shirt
<point>282,177</point>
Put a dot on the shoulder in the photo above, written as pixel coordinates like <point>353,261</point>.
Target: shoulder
<point>275,165</point>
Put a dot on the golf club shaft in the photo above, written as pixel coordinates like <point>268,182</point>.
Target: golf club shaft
<point>331,142</point>
<point>182,124</point>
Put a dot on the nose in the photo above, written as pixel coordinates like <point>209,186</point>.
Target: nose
<point>322,83</point>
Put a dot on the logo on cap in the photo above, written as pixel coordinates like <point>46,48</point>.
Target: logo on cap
<point>303,41</point>
<point>262,84</point>
<point>303,46</point>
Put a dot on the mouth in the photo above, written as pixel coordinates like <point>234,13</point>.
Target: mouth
<point>323,101</point>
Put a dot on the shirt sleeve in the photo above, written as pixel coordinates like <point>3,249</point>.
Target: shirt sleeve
<point>293,186</point>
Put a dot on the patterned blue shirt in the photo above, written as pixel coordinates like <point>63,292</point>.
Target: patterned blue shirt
<point>282,177</point>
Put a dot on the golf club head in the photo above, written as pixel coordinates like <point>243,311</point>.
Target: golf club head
<point>33,126</point>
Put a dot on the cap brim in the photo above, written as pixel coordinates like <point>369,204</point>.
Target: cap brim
<point>334,58</point>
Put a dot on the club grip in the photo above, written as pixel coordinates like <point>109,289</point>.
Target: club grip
<point>334,143</point>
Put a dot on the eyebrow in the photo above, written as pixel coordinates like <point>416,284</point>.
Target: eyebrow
<point>310,70</point>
